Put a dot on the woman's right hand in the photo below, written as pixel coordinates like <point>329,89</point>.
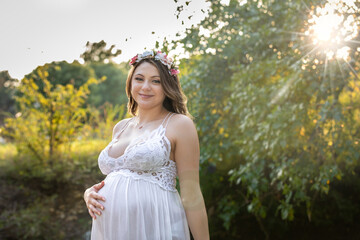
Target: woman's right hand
<point>92,198</point>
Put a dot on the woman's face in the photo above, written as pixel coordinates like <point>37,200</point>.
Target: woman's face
<point>146,88</point>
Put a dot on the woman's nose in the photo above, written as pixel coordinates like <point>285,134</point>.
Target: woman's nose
<point>146,85</point>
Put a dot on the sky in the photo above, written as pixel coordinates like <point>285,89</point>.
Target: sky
<point>35,32</point>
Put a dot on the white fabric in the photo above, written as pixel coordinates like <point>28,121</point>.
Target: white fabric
<point>140,191</point>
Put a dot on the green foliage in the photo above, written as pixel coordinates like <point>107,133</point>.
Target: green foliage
<point>48,120</point>
<point>32,223</point>
<point>46,168</point>
<point>7,151</point>
<point>284,130</point>
<point>102,120</point>
<point>7,91</point>
<point>46,203</point>
<point>229,208</point>
<point>113,89</point>
<point>62,73</point>
<point>42,180</point>
<point>99,60</point>
<point>97,52</point>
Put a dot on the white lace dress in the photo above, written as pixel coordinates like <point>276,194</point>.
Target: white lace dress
<point>142,202</point>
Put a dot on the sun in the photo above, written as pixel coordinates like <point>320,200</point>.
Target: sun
<point>325,27</point>
<point>330,31</point>
<point>328,41</point>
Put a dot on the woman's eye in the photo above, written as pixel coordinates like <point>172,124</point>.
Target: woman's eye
<point>138,79</point>
<point>156,81</point>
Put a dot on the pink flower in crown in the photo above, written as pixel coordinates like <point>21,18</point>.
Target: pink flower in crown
<point>174,71</point>
<point>169,61</point>
<point>162,54</point>
<point>157,55</point>
<point>133,60</point>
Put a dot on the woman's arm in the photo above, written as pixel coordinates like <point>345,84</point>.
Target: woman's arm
<point>91,196</point>
<point>187,155</point>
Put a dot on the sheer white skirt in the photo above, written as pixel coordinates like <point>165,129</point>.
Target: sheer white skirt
<point>136,209</point>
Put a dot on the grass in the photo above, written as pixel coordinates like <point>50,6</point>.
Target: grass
<point>78,148</point>
<point>86,146</point>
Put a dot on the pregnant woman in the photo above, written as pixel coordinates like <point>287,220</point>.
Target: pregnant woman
<point>138,199</point>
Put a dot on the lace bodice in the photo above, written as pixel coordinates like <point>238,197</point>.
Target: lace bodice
<point>147,157</point>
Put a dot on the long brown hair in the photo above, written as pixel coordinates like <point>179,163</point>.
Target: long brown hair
<point>175,100</point>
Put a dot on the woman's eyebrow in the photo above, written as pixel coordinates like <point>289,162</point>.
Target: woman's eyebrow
<point>143,75</point>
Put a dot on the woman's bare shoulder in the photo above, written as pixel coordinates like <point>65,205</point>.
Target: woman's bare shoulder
<point>180,125</point>
<point>120,125</point>
<point>181,120</point>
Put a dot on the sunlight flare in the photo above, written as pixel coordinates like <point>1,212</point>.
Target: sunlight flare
<point>332,30</point>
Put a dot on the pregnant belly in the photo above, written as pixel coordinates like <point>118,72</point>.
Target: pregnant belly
<point>131,198</point>
<point>140,208</point>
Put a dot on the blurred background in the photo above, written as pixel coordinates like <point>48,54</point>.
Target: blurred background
<point>273,87</point>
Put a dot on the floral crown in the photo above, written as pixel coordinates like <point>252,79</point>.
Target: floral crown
<point>157,55</point>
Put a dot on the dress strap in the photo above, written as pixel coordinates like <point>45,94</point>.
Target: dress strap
<point>165,118</point>
<point>168,120</point>
<point>127,123</point>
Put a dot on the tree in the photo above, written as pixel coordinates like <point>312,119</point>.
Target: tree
<point>47,119</point>
<point>7,91</point>
<point>113,89</point>
<point>62,73</point>
<point>97,52</point>
<point>278,115</point>
<point>98,58</point>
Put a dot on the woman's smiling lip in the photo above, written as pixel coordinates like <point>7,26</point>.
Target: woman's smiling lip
<point>145,96</point>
